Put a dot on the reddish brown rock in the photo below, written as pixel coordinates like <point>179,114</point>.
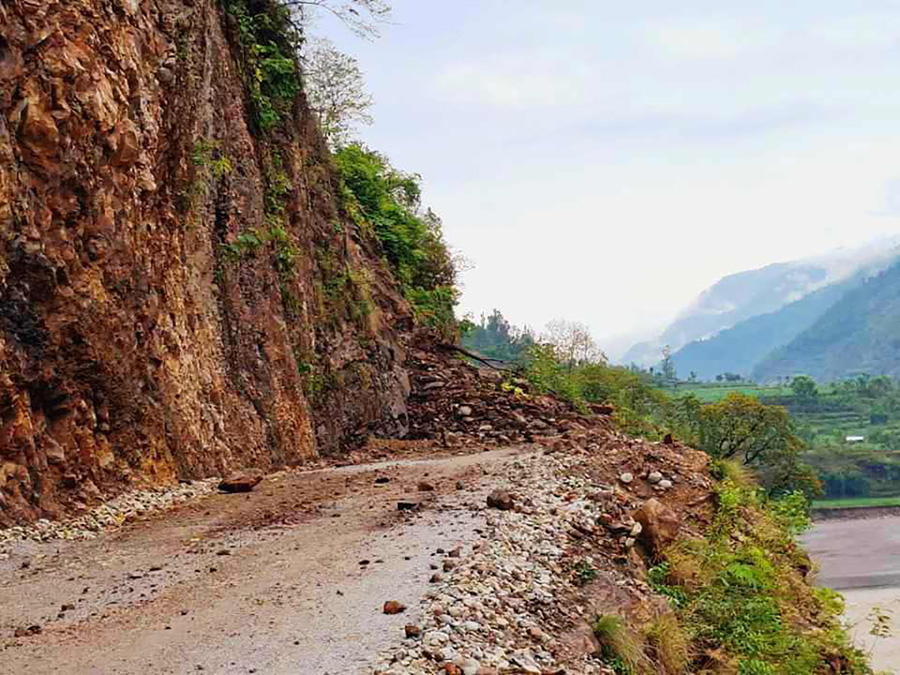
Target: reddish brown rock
<point>241,482</point>
<point>412,631</point>
<point>659,525</point>
<point>500,499</point>
<point>394,607</point>
<point>425,486</point>
<point>134,348</point>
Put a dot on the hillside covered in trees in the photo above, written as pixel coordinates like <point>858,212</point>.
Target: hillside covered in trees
<point>858,334</point>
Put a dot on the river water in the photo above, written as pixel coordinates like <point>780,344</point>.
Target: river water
<point>861,559</point>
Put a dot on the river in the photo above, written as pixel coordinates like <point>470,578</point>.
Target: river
<point>861,559</point>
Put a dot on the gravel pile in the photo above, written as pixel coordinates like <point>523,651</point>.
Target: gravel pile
<point>112,514</point>
<point>504,607</point>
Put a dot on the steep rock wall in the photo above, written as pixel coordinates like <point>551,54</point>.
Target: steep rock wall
<point>142,339</point>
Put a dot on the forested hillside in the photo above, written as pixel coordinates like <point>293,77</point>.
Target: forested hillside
<point>741,348</point>
<point>856,335</point>
<point>747,295</point>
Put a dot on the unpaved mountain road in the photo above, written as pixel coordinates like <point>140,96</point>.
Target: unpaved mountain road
<point>270,582</point>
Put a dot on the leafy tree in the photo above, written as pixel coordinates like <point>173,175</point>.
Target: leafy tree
<point>804,388</point>
<point>572,343</point>
<point>336,91</point>
<point>740,427</point>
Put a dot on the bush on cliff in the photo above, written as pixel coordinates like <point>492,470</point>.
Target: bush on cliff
<point>386,204</point>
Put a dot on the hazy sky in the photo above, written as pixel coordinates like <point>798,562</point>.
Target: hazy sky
<point>607,161</point>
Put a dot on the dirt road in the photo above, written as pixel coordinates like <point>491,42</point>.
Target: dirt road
<point>288,579</point>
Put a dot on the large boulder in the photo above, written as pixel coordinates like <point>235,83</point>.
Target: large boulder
<point>243,481</point>
<point>660,525</point>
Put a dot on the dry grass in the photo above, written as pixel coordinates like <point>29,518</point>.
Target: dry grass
<point>620,642</point>
<point>685,568</point>
<point>670,644</point>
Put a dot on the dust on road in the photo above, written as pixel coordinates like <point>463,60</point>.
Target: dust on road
<point>271,582</point>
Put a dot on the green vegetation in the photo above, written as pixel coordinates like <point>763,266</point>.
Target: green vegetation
<point>824,416</point>
<point>739,599</point>
<point>494,337</point>
<point>739,593</point>
<point>857,334</point>
<point>385,204</point>
<point>269,42</point>
<point>622,648</point>
<point>856,502</point>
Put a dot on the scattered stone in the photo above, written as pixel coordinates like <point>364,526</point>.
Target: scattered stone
<point>500,499</point>
<point>665,484</point>
<point>626,478</point>
<point>464,411</point>
<point>654,477</point>
<point>413,631</point>
<point>394,607</point>
<point>425,486</point>
<point>407,506</point>
<point>242,481</point>
<point>33,629</point>
<point>381,480</point>
<point>660,525</point>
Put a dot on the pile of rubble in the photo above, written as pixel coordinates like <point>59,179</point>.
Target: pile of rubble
<point>567,537</point>
<point>457,403</point>
<point>111,514</point>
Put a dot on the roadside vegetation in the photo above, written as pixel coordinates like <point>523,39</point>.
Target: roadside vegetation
<point>564,360</point>
<point>740,594</point>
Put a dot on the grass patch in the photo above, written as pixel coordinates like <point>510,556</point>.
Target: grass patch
<point>669,644</point>
<point>740,594</point>
<point>622,647</point>
<point>856,502</point>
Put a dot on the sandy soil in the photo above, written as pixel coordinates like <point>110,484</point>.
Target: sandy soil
<point>861,558</point>
<point>271,582</point>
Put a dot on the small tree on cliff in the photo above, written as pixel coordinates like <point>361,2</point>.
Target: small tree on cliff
<point>336,90</point>
<point>360,16</point>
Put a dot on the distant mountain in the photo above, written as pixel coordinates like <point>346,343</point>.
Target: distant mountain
<point>742,296</point>
<point>743,347</point>
<point>860,333</point>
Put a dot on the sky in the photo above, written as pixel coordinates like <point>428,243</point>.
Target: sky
<point>606,161</point>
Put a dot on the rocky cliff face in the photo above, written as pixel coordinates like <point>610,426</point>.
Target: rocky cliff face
<point>160,317</point>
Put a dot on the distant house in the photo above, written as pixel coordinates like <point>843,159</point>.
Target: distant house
<point>855,439</point>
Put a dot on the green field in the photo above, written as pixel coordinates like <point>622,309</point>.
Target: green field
<point>855,503</point>
<point>710,393</point>
<point>865,473</point>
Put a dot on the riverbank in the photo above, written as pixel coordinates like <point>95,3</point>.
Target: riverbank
<point>860,557</point>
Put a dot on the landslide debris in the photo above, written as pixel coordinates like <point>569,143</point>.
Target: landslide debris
<point>461,404</point>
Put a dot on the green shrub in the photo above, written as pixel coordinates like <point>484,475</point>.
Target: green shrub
<point>385,203</point>
<point>740,590</point>
<point>269,44</point>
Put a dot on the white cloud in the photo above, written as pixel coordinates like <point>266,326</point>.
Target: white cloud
<point>514,81</point>
<point>861,31</point>
<point>705,40</point>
